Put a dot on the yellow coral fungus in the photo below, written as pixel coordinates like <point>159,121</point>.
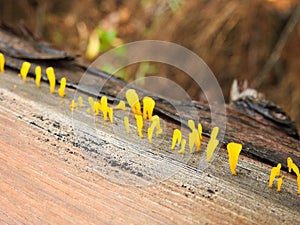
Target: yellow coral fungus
<point>295,169</point>
<point>191,124</point>
<point>91,101</point>
<point>51,78</point>
<point>61,90</point>
<point>193,139</point>
<point>156,121</point>
<point>104,108</point>
<point>88,110</point>
<point>212,144</point>
<point>73,105</point>
<point>80,101</point>
<point>96,108</point>
<point>148,107</point>
<point>289,163</point>
<point>126,122</point>
<point>181,151</point>
<point>139,124</point>
<point>121,105</point>
<point>234,150</point>
<point>176,138</point>
<point>24,70</point>
<point>133,100</point>
<point>279,183</point>
<point>150,132</point>
<point>2,63</point>
<point>38,76</point>
<point>298,181</point>
<point>110,114</point>
<point>275,172</point>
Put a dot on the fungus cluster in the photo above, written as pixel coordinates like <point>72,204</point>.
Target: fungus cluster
<point>194,136</point>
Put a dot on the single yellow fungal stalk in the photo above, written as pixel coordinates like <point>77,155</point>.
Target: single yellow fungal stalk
<point>176,138</point>
<point>295,169</point>
<point>88,110</point>
<point>96,108</point>
<point>111,114</point>
<point>289,163</point>
<point>279,183</point>
<point>139,124</point>
<point>191,124</point>
<point>181,151</point>
<point>38,76</point>
<point>80,101</point>
<point>193,139</point>
<point>212,144</point>
<point>126,122</point>
<point>275,172</point>
<point>73,105</point>
<point>2,62</point>
<point>104,108</point>
<point>150,132</point>
<point>121,105</point>
<point>24,70</point>
<point>91,101</point>
<point>200,137</point>
<point>51,78</point>
<point>134,102</point>
<point>156,121</point>
<point>234,150</point>
<point>61,90</point>
<point>298,181</point>
<point>148,107</point>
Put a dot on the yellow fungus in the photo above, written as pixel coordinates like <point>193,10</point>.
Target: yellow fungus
<point>156,121</point>
<point>279,183</point>
<point>133,100</point>
<point>289,163</point>
<point>96,108</point>
<point>24,70</point>
<point>73,105</point>
<point>200,137</point>
<point>181,151</point>
<point>193,139</point>
<point>88,110</point>
<point>103,101</point>
<point>38,76</point>
<point>234,150</point>
<point>150,132</point>
<point>191,124</point>
<point>126,122</point>
<point>176,138</point>
<point>148,107</point>
<point>298,181</point>
<point>91,101</point>
<point>212,144</point>
<point>2,63</point>
<point>139,124</point>
<point>121,105</point>
<point>110,114</point>
<point>80,101</point>
<point>275,172</point>
<point>61,90</point>
<point>295,169</point>
<point>51,78</point>
<point>15,86</point>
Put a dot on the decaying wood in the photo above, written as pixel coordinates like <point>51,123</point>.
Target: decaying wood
<point>56,168</point>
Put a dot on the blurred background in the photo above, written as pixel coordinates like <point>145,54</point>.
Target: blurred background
<point>253,40</point>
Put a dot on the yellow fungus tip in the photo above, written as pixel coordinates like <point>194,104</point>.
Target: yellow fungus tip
<point>24,70</point>
<point>212,144</point>
<point>51,78</point>
<point>133,101</point>
<point>61,90</point>
<point>2,62</point>
<point>234,150</point>
<point>176,138</point>
<point>38,76</point>
<point>148,107</point>
<point>191,124</point>
<point>73,105</point>
<point>80,101</point>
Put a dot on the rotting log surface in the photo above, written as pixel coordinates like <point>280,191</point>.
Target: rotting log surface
<point>50,175</point>
<point>45,178</point>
